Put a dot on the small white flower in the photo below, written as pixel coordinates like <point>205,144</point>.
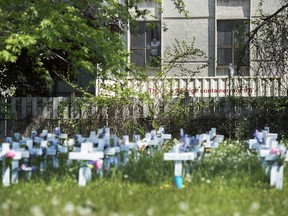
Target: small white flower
<point>255,206</point>
<point>183,206</point>
<point>88,202</point>
<point>69,207</point>
<point>150,211</point>
<point>84,210</point>
<point>236,213</point>
<point>188,177</point>
<point>49,189</point>
<point>36,211</point>
<point>208,181</point>
<point>55,201</point>
<point>7,204</point>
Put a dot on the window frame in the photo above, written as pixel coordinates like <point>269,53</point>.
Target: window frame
<point>233,46</point>
<point>146,47</point>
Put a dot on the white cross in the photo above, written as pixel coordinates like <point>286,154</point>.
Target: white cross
<point>86,153</point>
<point>179,157</point>
<point>6,178</point>
<point>268,141</point>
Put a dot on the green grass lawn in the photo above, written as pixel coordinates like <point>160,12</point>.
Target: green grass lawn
<point>230,181</point>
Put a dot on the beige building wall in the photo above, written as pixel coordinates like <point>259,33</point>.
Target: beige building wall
<point>202,25</point>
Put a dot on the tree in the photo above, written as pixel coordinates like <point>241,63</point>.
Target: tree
<point>45,40</point>
<point>268,43</point>
<point>41,41</point>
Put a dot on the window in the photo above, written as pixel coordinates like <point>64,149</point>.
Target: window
<point>232,37</point>
<point>145,44</point>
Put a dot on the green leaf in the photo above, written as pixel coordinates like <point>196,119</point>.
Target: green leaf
<point>6,56</point>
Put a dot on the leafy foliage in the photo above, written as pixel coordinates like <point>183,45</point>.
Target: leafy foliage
<point>41,41</point>
<point>44,40</point>
<point>268,42</point>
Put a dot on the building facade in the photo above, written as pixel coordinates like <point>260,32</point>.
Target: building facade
<point>218,27</point>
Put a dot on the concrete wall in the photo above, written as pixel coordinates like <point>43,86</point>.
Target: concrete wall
<point>202,25</point>
<point>196,8</point>
<point>233,9</point>
<point>269,7</point>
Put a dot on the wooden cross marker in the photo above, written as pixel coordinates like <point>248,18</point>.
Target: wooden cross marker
<point>178,157</point>
<point>8,156</point>
<point>87,154</point>
<point>269,152</point>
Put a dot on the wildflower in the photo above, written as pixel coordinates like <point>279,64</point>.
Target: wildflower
<point>183,206</point>
<point>26,168</point>
<point>6,205</point>
<point>98,164</point>
<point>49,189</point>
<point>69,208</point>
<point>236,213</point>
<point>257,137</point>
<point>89,165</point>
<point>188,178</point>
<point>167,186</point>
<point>208,181</point>
<point>150,211</point>
<point>274,151</point>
<point>125,176</point>
<point>57,131</point>
<point>255,206</point>
<point>55,201</point>
<point>9,155</point>
<point>37,211</point>
<point>84,210</point>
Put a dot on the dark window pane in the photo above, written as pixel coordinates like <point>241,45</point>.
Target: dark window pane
<point>240,32</point>
<point>138,57</point>
<point>224,38</point>
<point>224,56</point>
<point>138,39</point>
<point>225,29</point>
<point>225,25</point>
<point>241,58</point>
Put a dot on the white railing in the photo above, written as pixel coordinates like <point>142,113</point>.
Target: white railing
<point>212,86</point>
